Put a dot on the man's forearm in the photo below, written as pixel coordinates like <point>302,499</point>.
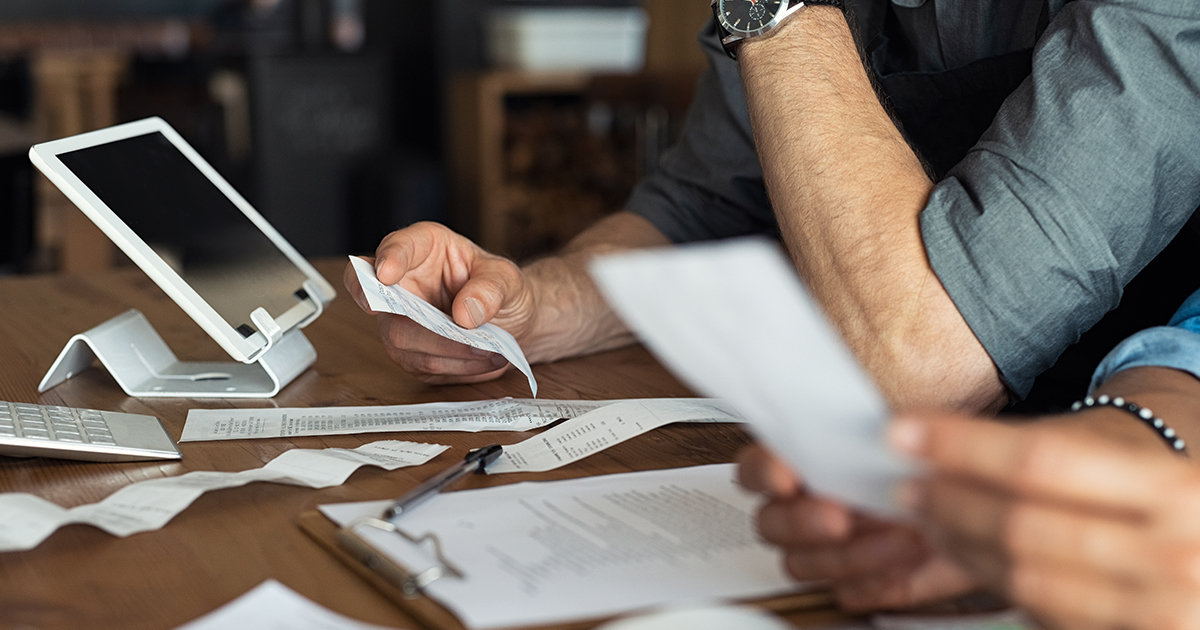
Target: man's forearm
<point>571,316</point>
<point>847,191</point>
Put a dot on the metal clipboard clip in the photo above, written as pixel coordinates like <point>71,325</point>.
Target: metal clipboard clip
<point>412,585</point>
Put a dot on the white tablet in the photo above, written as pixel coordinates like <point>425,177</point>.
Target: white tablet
<point>188,229</point>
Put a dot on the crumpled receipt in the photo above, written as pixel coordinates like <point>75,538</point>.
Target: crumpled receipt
<point>400,301</point>
<point>26,520</point>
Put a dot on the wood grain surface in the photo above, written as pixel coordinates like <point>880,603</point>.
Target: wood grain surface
<point>231,540</point>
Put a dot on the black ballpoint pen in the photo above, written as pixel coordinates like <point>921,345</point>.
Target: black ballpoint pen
<point>475,461</point>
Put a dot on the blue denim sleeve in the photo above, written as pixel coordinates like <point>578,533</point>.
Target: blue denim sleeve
<point>1176,345</point>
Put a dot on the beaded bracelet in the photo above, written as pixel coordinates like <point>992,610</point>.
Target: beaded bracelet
<point>1174,442</point>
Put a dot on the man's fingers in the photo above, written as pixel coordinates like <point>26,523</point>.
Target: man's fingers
<point>871,554</point>
<point>760,471</point>
<point>935,579</point>
<point>494,284</point>
<point>407,249</point>
<point>804,520</point>
<point>443,379</point>
<point>1040,460</point>
<point>402,335</point>
<point>431,368</point>
<point>1037,531</point>
<point>1073,599</point>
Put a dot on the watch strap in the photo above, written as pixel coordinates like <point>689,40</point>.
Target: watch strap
<point>723,34</point>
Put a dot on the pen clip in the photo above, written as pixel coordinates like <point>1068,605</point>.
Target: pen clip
<point>410,584</point>
<point>476,461</point>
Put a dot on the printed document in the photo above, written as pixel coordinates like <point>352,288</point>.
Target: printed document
<point>733,320</point>
<point>1004,620</point>
<point>26,520</point>
<point>597,430</point>
<point>400,301</point>
<point>538,553</point>
<point>273,606</point>
<point>506,414</point>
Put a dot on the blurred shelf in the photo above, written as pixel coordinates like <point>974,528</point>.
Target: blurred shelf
<point>534,158</point>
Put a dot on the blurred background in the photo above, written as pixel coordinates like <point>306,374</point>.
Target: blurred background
<point>516,123</point>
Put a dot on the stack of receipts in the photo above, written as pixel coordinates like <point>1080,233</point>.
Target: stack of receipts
<point>538,553</point>
<point>26,520</point>
<point>734,321</point>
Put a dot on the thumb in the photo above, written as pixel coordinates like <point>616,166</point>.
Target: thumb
<point>494,282</point>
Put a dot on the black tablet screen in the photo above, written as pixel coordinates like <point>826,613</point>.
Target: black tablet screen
<point>191,224</point>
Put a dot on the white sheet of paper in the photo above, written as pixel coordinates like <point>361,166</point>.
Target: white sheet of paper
<point>273,606</point>
<point>400,301</point>
<point>733,320</point>
<point>1005,620</point>
<point>547,552</point>
<point>597,430</point>
<point>26,520</point>
<point>506,414</point>
<point>714,617</point>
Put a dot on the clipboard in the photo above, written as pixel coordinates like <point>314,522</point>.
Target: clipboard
<point>433,616</point>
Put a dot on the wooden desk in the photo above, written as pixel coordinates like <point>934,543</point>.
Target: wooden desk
<point>230,540</point>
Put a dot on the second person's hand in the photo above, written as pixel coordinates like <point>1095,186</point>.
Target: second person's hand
<point>869,564</point>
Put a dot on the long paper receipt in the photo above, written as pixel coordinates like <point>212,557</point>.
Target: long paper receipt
<point>26,520</point>
<point>734,321</point>
<point>505,414</point>
<point>594,425</point>
<point>540,553</point>
<point>400,301</point>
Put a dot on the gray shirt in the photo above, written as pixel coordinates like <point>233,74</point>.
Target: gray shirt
<point>1089,169</point>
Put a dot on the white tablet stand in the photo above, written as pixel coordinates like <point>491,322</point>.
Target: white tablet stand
<point>142,364</point>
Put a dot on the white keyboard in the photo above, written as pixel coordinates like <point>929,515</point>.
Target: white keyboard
<point>28,430</point>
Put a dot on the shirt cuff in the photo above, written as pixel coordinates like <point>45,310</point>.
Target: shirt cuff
<point>1161,346</point>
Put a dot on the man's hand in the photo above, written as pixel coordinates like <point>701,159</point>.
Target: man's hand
<point>457,276</point>
<point>1080,529</point>
<point>869,563</point>
<point>551,306</point>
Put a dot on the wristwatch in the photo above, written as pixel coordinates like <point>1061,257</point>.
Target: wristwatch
<point>739,20</point>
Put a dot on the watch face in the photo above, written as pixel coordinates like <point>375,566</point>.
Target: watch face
<point>747,17</point>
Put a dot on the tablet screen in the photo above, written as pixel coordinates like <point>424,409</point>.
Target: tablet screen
<point>198,231</point>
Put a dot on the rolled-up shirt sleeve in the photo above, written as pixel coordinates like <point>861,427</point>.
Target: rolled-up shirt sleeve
<point>1089,170</point>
